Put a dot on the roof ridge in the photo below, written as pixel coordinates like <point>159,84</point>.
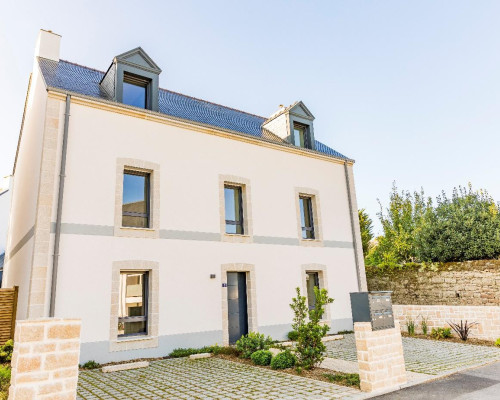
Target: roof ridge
<point>171,91</point>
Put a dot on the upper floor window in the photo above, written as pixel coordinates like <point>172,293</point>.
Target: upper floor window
<point>132,314</point>
<point>135,91</point>
<point>301,135</point>
<point>306,217</point>
<point>135,208</point>
<point>233,201</point>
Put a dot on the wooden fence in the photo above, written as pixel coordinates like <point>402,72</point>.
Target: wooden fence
<point>8,307</point>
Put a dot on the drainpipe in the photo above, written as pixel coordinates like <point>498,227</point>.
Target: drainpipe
<point>351,213</point>
<point>57,235</point>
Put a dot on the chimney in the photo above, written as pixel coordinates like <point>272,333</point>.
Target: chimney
<point>48,45</point>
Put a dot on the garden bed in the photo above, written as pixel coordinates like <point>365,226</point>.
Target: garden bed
<point>319,374</point>
<point>477,342</point>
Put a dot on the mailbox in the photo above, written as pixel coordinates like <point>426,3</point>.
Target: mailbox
<point>374,307</point>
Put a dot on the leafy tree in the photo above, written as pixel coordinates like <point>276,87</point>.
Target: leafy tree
<point>463,227</point>
<point>310,348</point>
<point>366,227</point>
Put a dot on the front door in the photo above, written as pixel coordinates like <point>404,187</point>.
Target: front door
<point>237,305</point>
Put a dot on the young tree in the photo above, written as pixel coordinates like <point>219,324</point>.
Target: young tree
<point>365,225</point>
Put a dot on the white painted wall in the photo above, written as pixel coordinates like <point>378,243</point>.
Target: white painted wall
<point>5,195</point>
<point>190,164</point>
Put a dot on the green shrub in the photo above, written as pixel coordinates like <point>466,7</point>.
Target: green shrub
<point>293,335</point>
<point>4,381</point>
<point>252,342</point>
<point>441,333</point>
<point>262,357</point>
<point>424,325</point>
<point>225,350</point>
<point>91,365</point>
<point>6,351</point>
<point>283,360</point>
<point>410,325</point>
<point>497,343</point>
<point>344,379</point>
<point>310,349</point>
<point>185,352</point>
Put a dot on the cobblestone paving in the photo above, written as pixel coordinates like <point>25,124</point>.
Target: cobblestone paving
<point>206,379</point>
<point>425,356</point>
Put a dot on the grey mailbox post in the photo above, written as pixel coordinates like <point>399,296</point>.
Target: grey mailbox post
<point>374,307</point>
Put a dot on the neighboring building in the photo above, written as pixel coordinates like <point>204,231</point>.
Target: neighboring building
<point>166,221</point>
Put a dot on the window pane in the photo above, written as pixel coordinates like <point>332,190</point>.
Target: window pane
<point>132,303</point>
<point>135,200</point>
<point>230,200</point>
<point>233,210</point>
<point>299,135</point>
<point>312,279</point>
<point>306,217</point>
<point>134,95</point>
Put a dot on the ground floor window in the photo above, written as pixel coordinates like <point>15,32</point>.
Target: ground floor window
<point>312,281</point>
<point>132,314</point>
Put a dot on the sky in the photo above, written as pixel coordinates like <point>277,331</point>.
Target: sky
<point>409,89</point>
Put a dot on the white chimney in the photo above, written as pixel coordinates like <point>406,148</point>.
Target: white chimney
<point>48,45</point>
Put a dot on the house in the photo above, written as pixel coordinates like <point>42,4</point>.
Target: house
<point>166,221</point>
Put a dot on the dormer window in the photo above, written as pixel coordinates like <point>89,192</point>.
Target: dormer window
<point>301,135</point>
<point>135,90</point>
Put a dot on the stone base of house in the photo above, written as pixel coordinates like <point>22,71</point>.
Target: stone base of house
<point>487,318</point>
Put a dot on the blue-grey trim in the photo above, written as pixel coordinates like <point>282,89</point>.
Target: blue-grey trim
<point>277,332</point>
<point>276,240</point>
<point>341,324</point>
<point>106,230</point>
<point>189,235</point>
<point>338,244</point>
<point>25,239</point>
<point>99,351</point>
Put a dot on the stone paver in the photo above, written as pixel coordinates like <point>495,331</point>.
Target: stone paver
<point>211,378</point>
<point>425,356</point>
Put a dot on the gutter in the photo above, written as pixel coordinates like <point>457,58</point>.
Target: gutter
<point>57,237</point>
<point>354,239</point>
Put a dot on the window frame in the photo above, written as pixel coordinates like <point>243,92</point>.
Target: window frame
<point>147,194</point>
<point>317,284</point>
<point>307,136</point>
<point>306,228</point>
<point>145,300</point>
<point>236,223</point>
<point>140,81</point>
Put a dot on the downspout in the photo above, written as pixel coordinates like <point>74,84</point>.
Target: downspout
<point>351,213</point>
<point>57,235</point>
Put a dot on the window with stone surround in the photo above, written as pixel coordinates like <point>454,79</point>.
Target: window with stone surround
<point>132,313</point>
<point>309,226</point>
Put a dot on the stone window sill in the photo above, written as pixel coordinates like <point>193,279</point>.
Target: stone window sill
<point>134,338</point>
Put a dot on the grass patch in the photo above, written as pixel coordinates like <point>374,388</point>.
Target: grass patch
<point>4,381</point>
<point>344,379</point>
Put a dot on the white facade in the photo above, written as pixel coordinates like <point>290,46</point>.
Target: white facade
<point>4,212</point>
<point>187,243</point>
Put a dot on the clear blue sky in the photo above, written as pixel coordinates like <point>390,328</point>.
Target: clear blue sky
<point>410,89</point>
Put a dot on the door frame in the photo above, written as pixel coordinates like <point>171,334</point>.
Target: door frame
<point>251,298</point>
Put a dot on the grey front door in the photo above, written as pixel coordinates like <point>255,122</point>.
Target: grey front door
<point>237,305</point>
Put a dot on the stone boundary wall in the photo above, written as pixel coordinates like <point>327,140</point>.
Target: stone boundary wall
<point>469,283</point>
<point>380,357</point>
<point>45,359</point>
<point>487,317</point>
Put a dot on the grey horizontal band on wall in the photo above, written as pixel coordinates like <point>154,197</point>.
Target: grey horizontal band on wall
<point>105,230</point>
<point>25,239</point>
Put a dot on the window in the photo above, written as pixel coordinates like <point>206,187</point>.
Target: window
<point>135,209</point>
<point>312,281</point>
<point>233,209</point>
<point>306,217</point>
<point>135,91</point>
<point>132,314</point>
<point>301,135</point>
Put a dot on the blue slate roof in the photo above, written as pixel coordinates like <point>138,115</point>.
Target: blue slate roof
<point>76,78</point>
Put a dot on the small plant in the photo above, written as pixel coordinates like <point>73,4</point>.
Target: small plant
<point>410,326</point>
<point>441,333</point>
<point>497,342</point>
<point>283,360</point>
<point>293,335</point>
<point>252,342</point>
<point>91,365</point>
<point>225,350</point>
<point>424,324</point>
<point>310,349</point>
<point>344,379</point>
<point>462,329</point>
<point>262,357</point>
<point>6,351</point>
<point>4,381</point>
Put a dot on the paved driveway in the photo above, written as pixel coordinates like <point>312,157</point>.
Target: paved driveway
<point>210,378</point>
<point>425,356</point>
